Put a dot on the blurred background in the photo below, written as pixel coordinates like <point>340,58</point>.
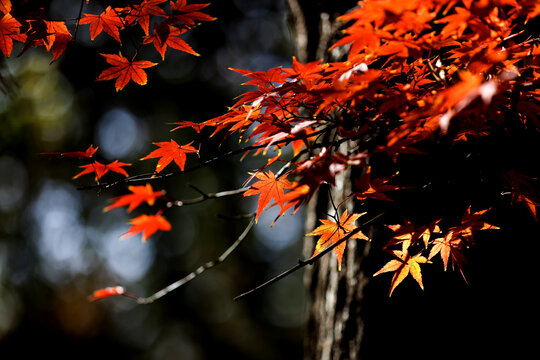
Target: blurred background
<point>57,246</point>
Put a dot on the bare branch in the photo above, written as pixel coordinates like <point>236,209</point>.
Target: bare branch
<point>175,285</point>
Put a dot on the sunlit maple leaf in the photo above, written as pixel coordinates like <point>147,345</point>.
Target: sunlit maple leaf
<point>139,194</point>
<point>268,187</point>
<point>141,13</point>
<point>147,225</point>
<point>9,31</point>
<point>168,36</point>
<point>101,169</point>
<point>107,21</point>
<point>407,234</point>
<point>124,70</point>
<point>331,232</point>
<point>403,265</point>
<point>106,292</point>
<point>86,154</point>
<point>169,151</point>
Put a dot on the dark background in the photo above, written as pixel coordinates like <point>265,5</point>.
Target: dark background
<point>56,245</point>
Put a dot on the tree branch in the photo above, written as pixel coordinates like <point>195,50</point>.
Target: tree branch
<point>310,261</point>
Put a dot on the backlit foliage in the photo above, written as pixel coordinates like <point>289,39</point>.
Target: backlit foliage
<point>428,94</point>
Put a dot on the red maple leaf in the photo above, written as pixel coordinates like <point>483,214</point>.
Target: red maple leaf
<point>86,154</point>
<point>139,194</point>
<point>107,21</point>
<point>167,35</point>
<point>268,187</point>
<point>147,225</point>
<point>141,13</point>
<point>9,31</point>
<point>124,70</point>
<point>106,292</point>
<point>169,151</point>
<point>101,169</point>
<point>331,232</point>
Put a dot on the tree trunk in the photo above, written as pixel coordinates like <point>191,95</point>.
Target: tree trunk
<point>334,325</point>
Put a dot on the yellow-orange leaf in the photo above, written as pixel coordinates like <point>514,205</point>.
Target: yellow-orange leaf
<point>331,232</point>
<point>403,265</point>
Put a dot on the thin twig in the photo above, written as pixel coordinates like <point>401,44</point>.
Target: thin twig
<point>175,285</point>
<point>206,196</point>
<point>310,261</point>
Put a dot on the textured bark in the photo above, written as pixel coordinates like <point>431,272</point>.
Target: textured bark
<point>334,326</point>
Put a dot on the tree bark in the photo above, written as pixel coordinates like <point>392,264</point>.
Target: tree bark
<point>334,323</point>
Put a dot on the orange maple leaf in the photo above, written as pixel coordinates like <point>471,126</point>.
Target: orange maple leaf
<point>147,225</point>
<point>9,31</point>
<point>169,151</point>
<point>268,187</point>
<point>139,194</point>
<point>101,169</point>
<point>124,70</point>
<point>459,237</point>
<point>403,265</point>
<point>107,21</point>
<point>373,188</point>
<point>331,232</point>
<point>86,154</point>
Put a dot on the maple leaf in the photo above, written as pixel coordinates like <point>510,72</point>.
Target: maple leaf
<point>522,190</point>
<point>101,169</point>
<point>106,292</point>
<point>188,15</point>
<point>124,70</point>
<point>5,6</point>
<point>459,237</point>
<point>169,151</point>
<point>141,13</point>
<point>167,35</point>
<point>9,31</point>
<point>331,232</point>
<point>408,234</point>
<point>107,21</point>
<point>374,189</point>
<point>139,194</point>
<point>268,187</point>
<point>86,154</point>
<point>147,225</point>
<point>403,265</point>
